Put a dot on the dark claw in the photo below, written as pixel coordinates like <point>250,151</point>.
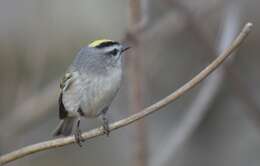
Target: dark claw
<point>106,126</point>
<point>106,130</point>
<point>78,137</point>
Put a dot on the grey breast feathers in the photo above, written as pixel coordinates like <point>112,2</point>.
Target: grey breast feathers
<point>100,92</point>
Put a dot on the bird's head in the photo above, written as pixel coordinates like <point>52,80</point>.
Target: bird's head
<point>110,50</point>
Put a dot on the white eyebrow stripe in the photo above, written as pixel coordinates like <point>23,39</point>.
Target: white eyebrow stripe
<point>111,48</point>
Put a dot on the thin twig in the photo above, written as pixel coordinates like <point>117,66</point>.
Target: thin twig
<point>241,89</point>
<point>130,119</point>
<point>209,91</point>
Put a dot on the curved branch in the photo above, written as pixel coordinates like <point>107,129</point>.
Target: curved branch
<point>145,112</point>
<point>209,90</point>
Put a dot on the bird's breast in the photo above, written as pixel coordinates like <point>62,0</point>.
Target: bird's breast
<point>100,92</point>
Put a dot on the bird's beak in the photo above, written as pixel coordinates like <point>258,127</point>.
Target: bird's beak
<point>125,47</point>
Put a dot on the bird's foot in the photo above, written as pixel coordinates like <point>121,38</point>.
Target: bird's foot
<point>78,137</point>
<point>105,125</point>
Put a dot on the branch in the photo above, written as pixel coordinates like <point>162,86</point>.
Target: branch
<point>145,112</point>
<point>138,11</point>
<point>46,98</point>
<point>208,92</point>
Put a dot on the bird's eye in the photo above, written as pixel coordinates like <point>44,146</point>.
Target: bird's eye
<point>113,52</point>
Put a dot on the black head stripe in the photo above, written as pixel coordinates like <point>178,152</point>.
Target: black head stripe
<point>107,44</point>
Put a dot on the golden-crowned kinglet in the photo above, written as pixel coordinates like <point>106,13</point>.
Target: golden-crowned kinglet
<point>89,85</point>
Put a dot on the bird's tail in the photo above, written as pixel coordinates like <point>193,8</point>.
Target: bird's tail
<point>65,127</point>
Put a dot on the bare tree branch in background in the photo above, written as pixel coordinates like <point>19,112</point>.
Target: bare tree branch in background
<point>26,112</point>
<point>47,95</point>
<point>206,96</point>
<point>33,109</point>
<point>29,105</point>
<point>138,18</point>
<point>241,89</point>
<point>137,116</point>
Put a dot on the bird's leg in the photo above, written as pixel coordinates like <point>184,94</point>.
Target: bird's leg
<point>79,139</point>
<point>105,121</point>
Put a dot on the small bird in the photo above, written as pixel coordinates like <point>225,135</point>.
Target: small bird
<point>89,86</point>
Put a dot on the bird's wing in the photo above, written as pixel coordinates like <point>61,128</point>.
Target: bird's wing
<point>63,113</point>
<point>69,100</point>
<point>64,85</point>
<point>66,81</point>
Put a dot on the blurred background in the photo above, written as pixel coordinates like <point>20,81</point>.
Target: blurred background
<point>217,123</point>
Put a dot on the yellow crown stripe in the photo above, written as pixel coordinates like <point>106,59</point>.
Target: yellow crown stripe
<point>98,42</point>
